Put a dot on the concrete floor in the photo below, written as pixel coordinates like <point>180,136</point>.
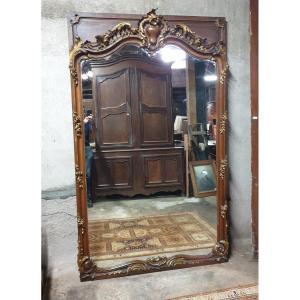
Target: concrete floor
<point>60,250</point>
<point>148,206</point>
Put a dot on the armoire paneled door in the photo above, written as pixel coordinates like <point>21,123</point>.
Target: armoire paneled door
<point>134,149</point>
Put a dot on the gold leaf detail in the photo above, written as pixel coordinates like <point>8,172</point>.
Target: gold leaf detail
<point>77,124</point>
<point>223,166</point>
<point>224,74</point>
<point>223,121</point>
<point>151,34</point>
<point>77,48</point>
<point>79,177</point>
<point>80,223</point>
<point>224,210</point>
<point>221,248</point>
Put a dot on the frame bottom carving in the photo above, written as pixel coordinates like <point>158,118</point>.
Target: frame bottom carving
<point>89,270</point>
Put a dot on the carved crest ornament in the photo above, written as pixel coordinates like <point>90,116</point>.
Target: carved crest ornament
<point>152,33</point>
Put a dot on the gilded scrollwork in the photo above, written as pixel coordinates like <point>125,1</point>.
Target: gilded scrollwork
<point>152,33</point>
<point>224,210</point>
<point>87,268</point>
<point>223,166</point>
<point>223,121</point>
<point>79,176</point>
<point>223,74</point>
<point>77,124</point>
<point>81,224</point>
<point>77,48</point>
<point>221,248</point>
<point>157,261</point>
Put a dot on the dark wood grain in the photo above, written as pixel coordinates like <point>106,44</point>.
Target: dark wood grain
<point>130,113</point>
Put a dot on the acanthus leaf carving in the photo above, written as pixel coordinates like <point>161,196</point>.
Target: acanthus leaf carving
<point>77,48</point>
<point>79,177</point>
<point>77,124</point>
<point>151,34</point>
<point>223,121</point>
<point>223,74</point>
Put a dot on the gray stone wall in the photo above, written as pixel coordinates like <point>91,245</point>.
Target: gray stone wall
<point>57,143</point>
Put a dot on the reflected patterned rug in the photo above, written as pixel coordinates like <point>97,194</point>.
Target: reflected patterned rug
<point>148,235</point>
<point>246,292</point>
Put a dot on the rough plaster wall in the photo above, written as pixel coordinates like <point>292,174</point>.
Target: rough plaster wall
<point>57,133</point>
<point>57,155</point>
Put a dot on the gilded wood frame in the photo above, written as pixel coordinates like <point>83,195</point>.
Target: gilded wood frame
<point>152,33</point>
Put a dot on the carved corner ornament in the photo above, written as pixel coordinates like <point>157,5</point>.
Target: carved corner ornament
<point>223,121</point>
<point>79,177</point>
<point>77,124</point>
<point>152,33</point>
<point>221,249</point>
<point>223,166</point>
<point>220,23</point>
<point>75,19</point>
<point>223,74</point>
<point>87,268</point>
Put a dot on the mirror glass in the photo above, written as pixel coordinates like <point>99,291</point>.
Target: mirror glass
<point>150,150</point>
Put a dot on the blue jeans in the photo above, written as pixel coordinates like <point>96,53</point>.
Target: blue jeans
<point>88,164</point>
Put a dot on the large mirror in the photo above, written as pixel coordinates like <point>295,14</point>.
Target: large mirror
<point>135,109</point>
<point>150,184</point>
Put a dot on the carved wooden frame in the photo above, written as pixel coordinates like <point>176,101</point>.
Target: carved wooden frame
<point>152,33</point>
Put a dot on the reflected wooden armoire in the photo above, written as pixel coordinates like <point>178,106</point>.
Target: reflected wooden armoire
<point>134,148</point>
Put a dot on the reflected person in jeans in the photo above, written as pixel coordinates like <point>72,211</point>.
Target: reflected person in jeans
<point>88,156</point>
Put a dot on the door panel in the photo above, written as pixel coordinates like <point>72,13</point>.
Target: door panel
<point>162,169</point>
<point>154,92</point>
<point>122,172</point>
<point>154,171</point>
<point>155,127</point>
<point>172,169</point>
<point>113,172</point>
<point>113,112</point>
<point>112,134</point>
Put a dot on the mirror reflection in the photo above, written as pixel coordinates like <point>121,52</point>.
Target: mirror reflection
<point>150,150</point>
